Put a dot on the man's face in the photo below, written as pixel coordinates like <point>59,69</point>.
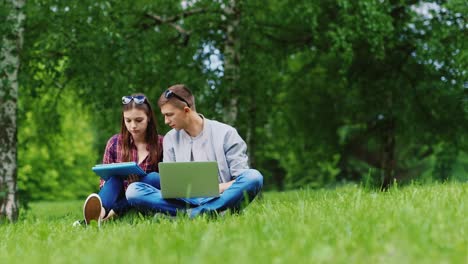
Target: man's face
<point>173,116</point>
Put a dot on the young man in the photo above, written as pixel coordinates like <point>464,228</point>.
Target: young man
<point>195,138</point>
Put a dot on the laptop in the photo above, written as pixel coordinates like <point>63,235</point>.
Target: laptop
<point>189,179</point>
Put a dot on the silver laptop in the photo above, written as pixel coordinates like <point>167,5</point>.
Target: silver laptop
<point>189,179</point>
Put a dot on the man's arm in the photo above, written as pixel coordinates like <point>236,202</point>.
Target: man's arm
<point>235,150</point>
<point>168,149</point>
<point>223,186</point>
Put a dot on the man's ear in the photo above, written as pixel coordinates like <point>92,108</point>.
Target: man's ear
<point>186,109</point>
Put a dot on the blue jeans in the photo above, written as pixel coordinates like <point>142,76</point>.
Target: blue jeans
<point>242,191</point>
<point>112,194</point>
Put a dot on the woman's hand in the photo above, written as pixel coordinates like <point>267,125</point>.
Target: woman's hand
<point>133,178</point>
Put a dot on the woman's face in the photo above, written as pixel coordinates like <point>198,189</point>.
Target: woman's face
<point>136,122</point>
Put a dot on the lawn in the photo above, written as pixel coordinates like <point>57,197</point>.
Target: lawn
<point>413,224</point>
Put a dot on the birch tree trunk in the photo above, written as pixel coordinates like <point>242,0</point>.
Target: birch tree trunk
<point>11,46</point>
<point>232,60</point>
<point>232,78</point>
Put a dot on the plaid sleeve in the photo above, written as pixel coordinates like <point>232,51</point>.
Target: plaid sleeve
<point>110,155</point>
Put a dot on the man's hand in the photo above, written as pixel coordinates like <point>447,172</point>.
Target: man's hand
<point>224,186</point>
<point>133,178</point>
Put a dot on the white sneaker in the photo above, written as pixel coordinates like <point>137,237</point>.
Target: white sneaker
<point>79,223</point>
<point>92,209</point>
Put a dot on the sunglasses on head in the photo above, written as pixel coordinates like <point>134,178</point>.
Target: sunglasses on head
<point>139,99</point>
<point>169,94</point>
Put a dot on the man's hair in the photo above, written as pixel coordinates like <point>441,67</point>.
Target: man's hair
<point>182,91</point>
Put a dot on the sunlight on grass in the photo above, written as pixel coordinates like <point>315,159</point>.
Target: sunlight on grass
<point>415,224</point>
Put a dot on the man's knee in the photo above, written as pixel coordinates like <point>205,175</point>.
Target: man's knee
<point>255,178</point>
<point>152,179</point>
<point>134,191</point>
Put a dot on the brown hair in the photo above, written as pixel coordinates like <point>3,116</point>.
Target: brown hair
<point>182,91</point>
<point>151,138</point>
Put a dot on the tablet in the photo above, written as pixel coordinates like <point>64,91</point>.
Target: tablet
<point>122,169</point>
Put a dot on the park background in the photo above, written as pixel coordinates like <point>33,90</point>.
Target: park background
<point>324,92</point>
<point>354,111</point>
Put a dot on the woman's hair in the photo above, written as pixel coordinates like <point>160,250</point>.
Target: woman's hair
<point>152,140</point>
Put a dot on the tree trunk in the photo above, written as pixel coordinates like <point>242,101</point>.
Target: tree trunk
<point>232,79</point>
<point>9,65</point>
<point>250,137</point>
<point>388,155</point>
<point>388,145</point>
<point>232,61</point>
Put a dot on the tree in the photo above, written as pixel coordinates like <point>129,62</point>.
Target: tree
<point>369,85</point>
<point>321,90</point>
<point>11,44</point>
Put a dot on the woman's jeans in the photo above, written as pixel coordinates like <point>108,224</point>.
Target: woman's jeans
<point>243,190</point>
<point>113,194</point>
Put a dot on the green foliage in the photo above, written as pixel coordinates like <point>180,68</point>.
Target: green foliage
<point>344,225</point>
<point>365,69</point>
<point>5,27</point>
<point>56,166</point>
<point>328,90</point>
<point>445,159</point>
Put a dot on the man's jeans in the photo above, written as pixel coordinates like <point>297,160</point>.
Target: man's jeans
<point>242,191</point>
<point>113,195</point>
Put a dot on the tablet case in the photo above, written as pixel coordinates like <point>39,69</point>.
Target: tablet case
<point>122,169</point>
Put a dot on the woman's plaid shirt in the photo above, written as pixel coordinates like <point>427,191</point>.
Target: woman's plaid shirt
<point>113,154</point>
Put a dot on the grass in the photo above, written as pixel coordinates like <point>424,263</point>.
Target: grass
<point>414,224</point>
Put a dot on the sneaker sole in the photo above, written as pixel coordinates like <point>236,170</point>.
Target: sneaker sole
<point>92,209</point>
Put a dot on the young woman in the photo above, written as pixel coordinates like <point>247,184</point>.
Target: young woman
<point>137,141</point>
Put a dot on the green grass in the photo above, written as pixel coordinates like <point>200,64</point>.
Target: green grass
<point>414,224</point>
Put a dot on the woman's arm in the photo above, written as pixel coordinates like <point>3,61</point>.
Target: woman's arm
<point>110,154</point>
